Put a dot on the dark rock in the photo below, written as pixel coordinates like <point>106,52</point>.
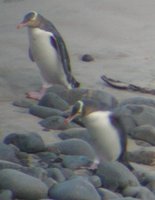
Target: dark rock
<point>75,162</point>
<point>10,165</point>
<point>115,176</point>
<point>74,147</point>
<point>52,100</point>
<point>95,180</point>
<point>80,133</point>
<point>56,123</point>
<point>76,188</point>
<point>47,157</point>
<point>151,186</point>
<point>25,103</point>
<point>36,172</point>
<point>138,101</point>
<point>29,142</point>
<point>139,192</point>
<point>105,99</point>
<point>141,114</point>
<point>67,172</point>
<point>87,58</point>
<point>144,132</point>
<point>107,194</point>
<point>44,112</point>
<point>83,172</point>
<point>8,153</point>
<point>76,94</point>
<point>142,156</point>
<point>22,185</point>
<point>56,174</point>
<point>6,195</point>
<point>60,90</point>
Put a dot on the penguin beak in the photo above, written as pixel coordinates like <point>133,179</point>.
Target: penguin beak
<point>21,25</point>
<point>70,118</point>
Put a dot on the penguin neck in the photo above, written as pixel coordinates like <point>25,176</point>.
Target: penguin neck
<point>93,117</point>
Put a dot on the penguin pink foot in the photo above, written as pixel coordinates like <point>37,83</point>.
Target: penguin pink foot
<point>36,95</point>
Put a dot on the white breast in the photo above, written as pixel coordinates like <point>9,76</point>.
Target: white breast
<point>46,57</point>
<point>104,134</point>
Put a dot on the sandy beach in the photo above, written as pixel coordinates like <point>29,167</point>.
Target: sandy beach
<point>119,34</point>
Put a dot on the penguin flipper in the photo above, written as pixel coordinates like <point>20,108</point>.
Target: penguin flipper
<point>30,55</point>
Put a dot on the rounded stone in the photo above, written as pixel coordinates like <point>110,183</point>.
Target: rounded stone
<point>75,162</point>
<point>74,147</point>
<point>139,101</point>
<point>29,142</point>
<point>139,192</point>
<point>87,58</point>
<point>22,185</point>
<point>6,195</point>
<point>54,101</point>
<point>114,175</point>
<point>44,112</point>
<point>144,132</point>
<point>76,188</point>
<point>80,133</point>
<point>8,153</point>
<point>56,123</point>
<point>56,174</point>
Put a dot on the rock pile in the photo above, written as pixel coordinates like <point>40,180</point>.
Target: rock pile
<point>33,170</point>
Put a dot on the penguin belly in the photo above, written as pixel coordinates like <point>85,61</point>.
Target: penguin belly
<point>46,57</point>
<point>104,134</point>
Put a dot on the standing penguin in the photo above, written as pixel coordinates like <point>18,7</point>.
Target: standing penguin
<point>49,51</point>
<point>106,129</point>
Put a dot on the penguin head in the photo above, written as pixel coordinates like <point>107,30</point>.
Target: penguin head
<point>30,20</point>
<point>82,108</point>
<point>76,111</point>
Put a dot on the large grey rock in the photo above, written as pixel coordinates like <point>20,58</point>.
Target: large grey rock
<point>6,195</point>
<point>29,142</point>
<point>144,155</point>
<point>106,100</point>
<point>74,189</point>
<point>139,101</point>
<point>56,174</point>
<point>52,100</point>
<point>44,112</point>
<point>107,194</point>
<point>11,165</point>
<point>22,185</point>
<point>139,192</point>
<point>80,133</point>
<point>75,161</point>
<point>57,123</point>
<point>139,115</point>
<point>144,132</point>
<point>116,176</point>
<point>8,153</point>
<point>74,147</point>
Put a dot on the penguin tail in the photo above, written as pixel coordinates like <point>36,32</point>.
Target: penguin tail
<point>74,83</point>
